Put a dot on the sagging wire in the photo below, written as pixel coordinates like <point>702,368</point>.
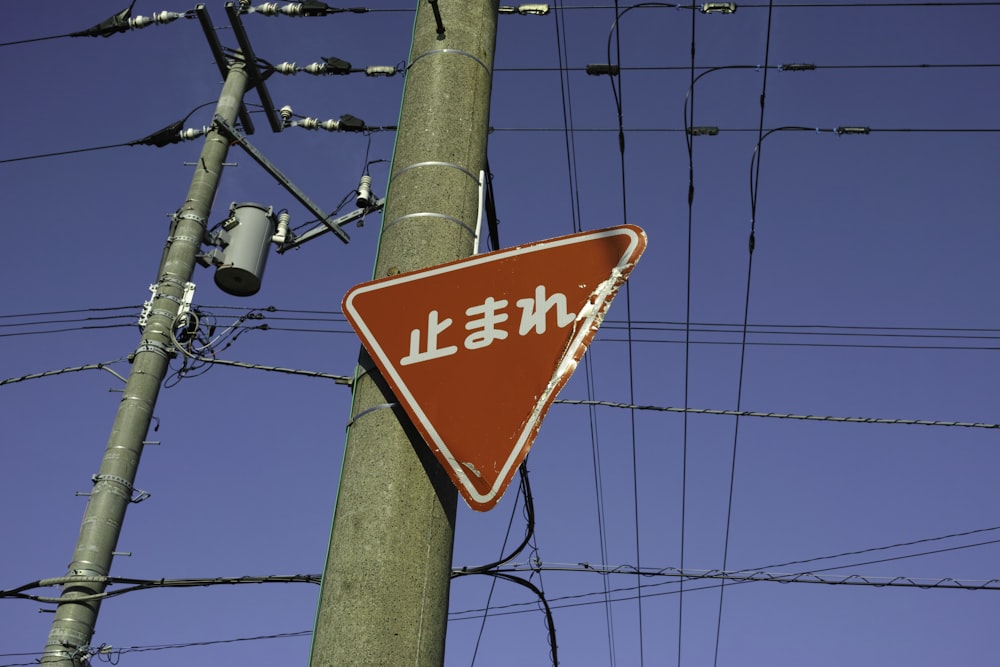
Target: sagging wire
<point>489,597</point>
<point>535,559</point>
<point>529,531</point>
<point>615,70</point>
<point>549,622</point>
<point>528,509</point>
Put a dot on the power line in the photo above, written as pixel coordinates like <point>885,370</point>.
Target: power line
<point>79,319</point>
<point>626,130</point>
<point>68,312</point>
<point>755,331</point>
<point>744,576</point>
<point>619,106</point>
<point>546,609</point>
<point>818,5</point>
<point>689,107</point>
<point>578,596</point>
<point>871,346</point>
<point>758,68</point>
<point>754,183</point>
<point>776,415</point>
<point>268,312</point>
<point>106,650</point>
<point>72,369</point>
<point>339,316</point>
<point>58,153</point>
<point>66,330</point>
<point>872,5</point>
<point>35,39</point>
<point>576,208</point>
<point>743,130</point>
<point>146,584</point>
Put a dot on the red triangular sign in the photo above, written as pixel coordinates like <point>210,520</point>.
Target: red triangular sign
<point>476,350</point>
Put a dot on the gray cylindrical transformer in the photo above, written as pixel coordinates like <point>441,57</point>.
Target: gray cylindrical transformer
<point>246,237</point>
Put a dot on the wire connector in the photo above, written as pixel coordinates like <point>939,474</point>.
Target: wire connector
<point>306,8</point>
<point>797,67</point>
<point>123,22</point>
<point>524,10</point>
<point>600,69</point>
<point>718,8</point>
<point>347,123</point>
<point>381,70</point>
<point>703,131</point>
<point>160,18</point>
<point>853,130</point>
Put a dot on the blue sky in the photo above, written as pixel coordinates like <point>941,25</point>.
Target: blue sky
<point>872,293</point>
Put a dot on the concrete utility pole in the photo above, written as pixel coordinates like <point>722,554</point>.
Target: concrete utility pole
<point>384,599</point>
<point>76,616</point>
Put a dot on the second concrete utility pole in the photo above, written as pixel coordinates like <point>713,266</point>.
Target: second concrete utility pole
<point>76,616</point>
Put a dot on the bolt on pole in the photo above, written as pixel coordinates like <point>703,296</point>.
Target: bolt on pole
<point>384,598</point>
<point>76,616</point>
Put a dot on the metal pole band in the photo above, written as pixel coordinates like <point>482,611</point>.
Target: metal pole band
<point>163,313</point>
<point>429,215</point>
<point>171,239</point>
<point>192,216</point>
<point>455,51</point>
<point>434,163</point>
<point>166,280</point>
<point>113,478</point>
<point>155,347</point>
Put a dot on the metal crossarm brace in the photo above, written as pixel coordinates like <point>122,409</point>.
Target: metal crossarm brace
<point>327,226</point>
<point>230,133</point>
<point>220,59</point>
<point>251,65</point>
